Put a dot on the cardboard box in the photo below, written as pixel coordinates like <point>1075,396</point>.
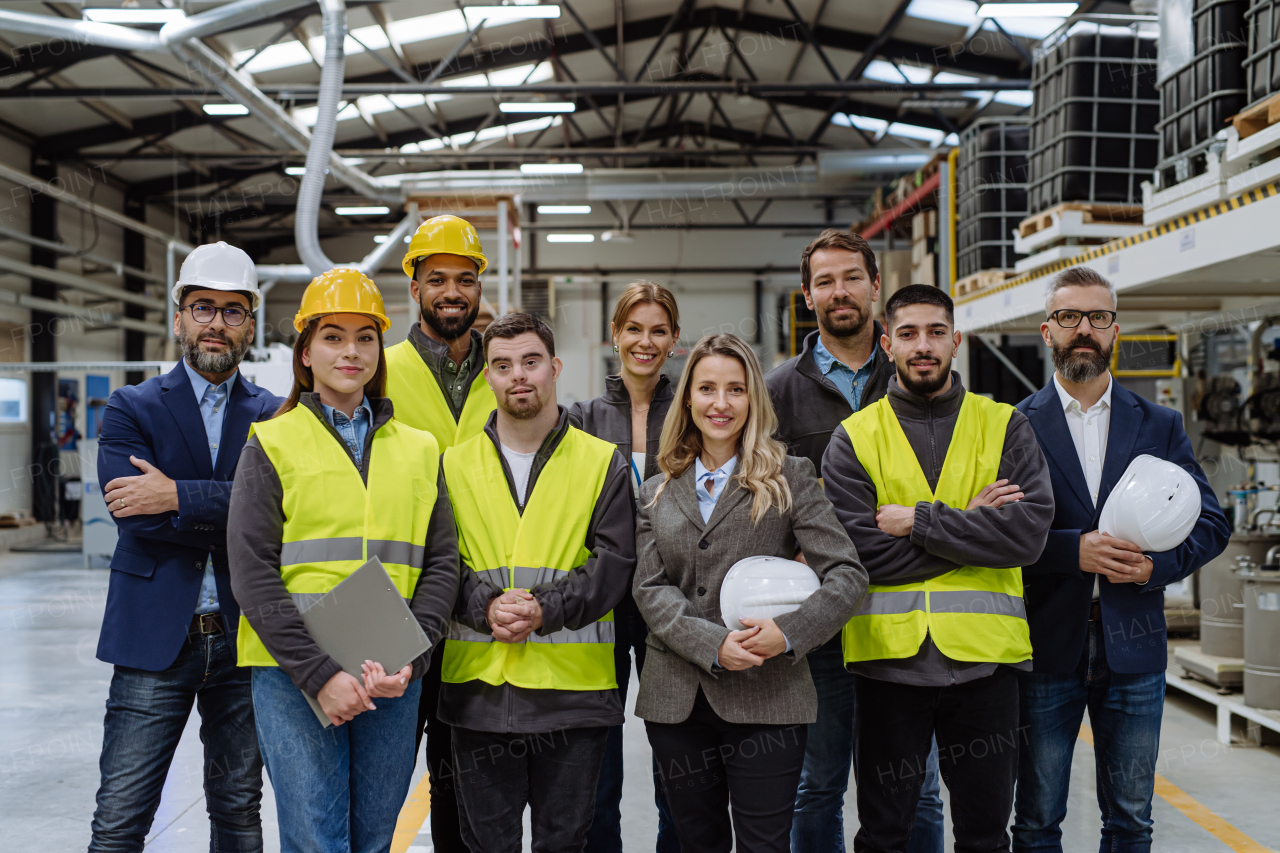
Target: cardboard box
<point>924,225</point>
<point>920,248</point>
<point>926,272</point>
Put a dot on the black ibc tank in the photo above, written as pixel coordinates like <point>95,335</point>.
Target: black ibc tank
<point>991,192</point>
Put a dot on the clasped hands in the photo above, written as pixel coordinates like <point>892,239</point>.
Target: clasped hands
<point>897,520</point>
<point>514,615</point>
<point>1115,559</point>
<point>761,640</point>
<point>344,697</point>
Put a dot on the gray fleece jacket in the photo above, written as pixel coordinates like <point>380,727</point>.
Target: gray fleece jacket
<point>577,599</point>
<point>942,538</point>
<point>255,528</point>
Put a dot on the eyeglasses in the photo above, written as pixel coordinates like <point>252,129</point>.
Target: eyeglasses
<point>205,314</point>
<point>1068,318</point>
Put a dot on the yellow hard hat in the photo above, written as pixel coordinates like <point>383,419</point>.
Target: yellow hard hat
<point>445,235</point>
<point>341,291</point>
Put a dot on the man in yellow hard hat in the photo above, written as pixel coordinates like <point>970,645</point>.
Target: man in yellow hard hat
<point>436,383</point>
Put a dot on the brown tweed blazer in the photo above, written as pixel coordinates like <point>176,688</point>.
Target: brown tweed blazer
<point>682,562</point>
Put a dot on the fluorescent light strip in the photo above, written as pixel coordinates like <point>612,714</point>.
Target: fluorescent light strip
<point>133,16</point>
<point>503,14</point>
<point>1027,10</point>
<point>361,211</point>
<point>495,132</point>
<point>571,238</point>
<point>226,109</point>
<point>295,170</point>
<point>537,107</point>
<point>551,168</point>
<point>564,208</point>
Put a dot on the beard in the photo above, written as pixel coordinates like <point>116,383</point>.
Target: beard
<point>525,410</point>
<point>450,328</point>
<point>923,386</point>
<point>1081,366</point>
<point>212,362</point>
<point>846,327</point>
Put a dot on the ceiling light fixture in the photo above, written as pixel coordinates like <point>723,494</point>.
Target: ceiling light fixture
<point>564,208</point>
<point>295,170</point>
<point>1027,10</point>
<point>571,238</point>
<point>371,210</point>
<point>133,16</point>
<point>537,107</point>
<point>520,12</point>
<point>551,168</point>
<point>226,109</point>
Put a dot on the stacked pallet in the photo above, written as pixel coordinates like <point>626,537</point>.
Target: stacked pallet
<point>924,248</point>
<point>1067,230</point>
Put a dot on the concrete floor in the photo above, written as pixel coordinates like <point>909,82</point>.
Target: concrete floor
<point>53,690</point>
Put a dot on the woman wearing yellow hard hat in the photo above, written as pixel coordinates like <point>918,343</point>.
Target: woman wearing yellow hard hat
<point>330,482</point>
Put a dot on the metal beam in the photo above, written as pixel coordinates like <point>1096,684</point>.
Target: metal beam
<point>66,279</point>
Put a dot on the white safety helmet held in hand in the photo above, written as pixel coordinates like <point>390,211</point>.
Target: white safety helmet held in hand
<point>1154,505</point>
<point>218,266</point>
<point>764,588</point>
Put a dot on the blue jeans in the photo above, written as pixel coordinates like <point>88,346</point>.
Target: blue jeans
<point>340,789</point>
<point>146,713</point>
<point>606,826</point>
<point>818,825</point>
<point>1125,712</point>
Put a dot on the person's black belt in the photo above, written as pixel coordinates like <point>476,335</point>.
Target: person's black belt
<point>1095,611</point>
<point>207,623</point>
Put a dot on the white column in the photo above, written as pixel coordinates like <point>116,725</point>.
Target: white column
<point>503,294</point>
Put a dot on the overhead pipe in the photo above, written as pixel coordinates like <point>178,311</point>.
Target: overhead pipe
<point>64,249</point>
<point>88,285</point>
<point>306,220</point>
<point>223,18</point>
<point>369,265</point>
<point>79,32</point>
<point>88,315</point>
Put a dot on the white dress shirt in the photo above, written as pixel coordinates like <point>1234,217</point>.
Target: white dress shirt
<point>1089,429</point>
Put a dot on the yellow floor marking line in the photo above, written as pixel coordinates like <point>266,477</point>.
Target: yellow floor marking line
<point>1196,811</point>
<point>412,815</point>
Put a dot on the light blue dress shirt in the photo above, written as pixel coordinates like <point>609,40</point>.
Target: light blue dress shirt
<point>707,500</point>
<point>720,476</point>
<point>212,400</point>
<point>848,381</point>
<point>353,430</point>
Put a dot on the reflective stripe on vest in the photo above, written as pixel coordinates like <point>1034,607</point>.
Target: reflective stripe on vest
<point>332,522</point>
<point>513,551</point>
<point>421,404</point>
<point>972,613</point>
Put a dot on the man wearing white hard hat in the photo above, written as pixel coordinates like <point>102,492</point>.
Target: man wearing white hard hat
<point>1133,512</point>
<point>168,452</point>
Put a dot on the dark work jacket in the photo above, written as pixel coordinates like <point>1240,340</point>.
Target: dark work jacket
<point>1057,593</point>
<point>808,404</point>
<point>159,561</point>
<point>609,417</point>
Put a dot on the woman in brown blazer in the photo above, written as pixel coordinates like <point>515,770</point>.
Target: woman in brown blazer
<point>727,711</point>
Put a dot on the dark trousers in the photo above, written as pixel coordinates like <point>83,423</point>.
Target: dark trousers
<point>146,713</point>
<point>446,833</point>
<point>710,768</point>
<point>977,729</point>
<point>554,773</point>
<point>1125,710</point>
<point>606,827</point>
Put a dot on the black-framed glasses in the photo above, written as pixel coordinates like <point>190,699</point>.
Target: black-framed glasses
<point>1069,318</point>
<point>205,313</point>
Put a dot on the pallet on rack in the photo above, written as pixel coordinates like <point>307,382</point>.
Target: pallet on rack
<point>1258,117</point>
<point>981,280</point>
<point>1092,214</point>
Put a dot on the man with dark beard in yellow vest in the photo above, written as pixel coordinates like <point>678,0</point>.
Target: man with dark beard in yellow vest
<point>435,381</point>
<point>546,536</point>
<point>946,495</point>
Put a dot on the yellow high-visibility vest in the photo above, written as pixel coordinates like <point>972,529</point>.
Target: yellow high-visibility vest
<point>972,613</point>
<point>421,404</point>
<point>517,550</point>
<point>333,523</point>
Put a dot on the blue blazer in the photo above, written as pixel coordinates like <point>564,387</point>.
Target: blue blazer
<point>159,560</point>
<point>1057,593</point>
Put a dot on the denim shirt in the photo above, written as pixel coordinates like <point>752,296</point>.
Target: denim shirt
<point>212,401</point>
<point>848,382</point>
<point>353,430</point>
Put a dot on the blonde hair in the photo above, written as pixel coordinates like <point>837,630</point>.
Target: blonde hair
<point>760,455</point>
<point>643,292</point>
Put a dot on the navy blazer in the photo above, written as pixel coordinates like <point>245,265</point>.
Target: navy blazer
<point>1057,593</point>
<point>159,560</point>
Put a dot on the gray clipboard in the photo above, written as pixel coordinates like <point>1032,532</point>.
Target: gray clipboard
<point>363,618</point>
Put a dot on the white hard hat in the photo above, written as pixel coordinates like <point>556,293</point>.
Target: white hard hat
<point>764,588</point>
<point>1154,505</point>
<point>218,266</point>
